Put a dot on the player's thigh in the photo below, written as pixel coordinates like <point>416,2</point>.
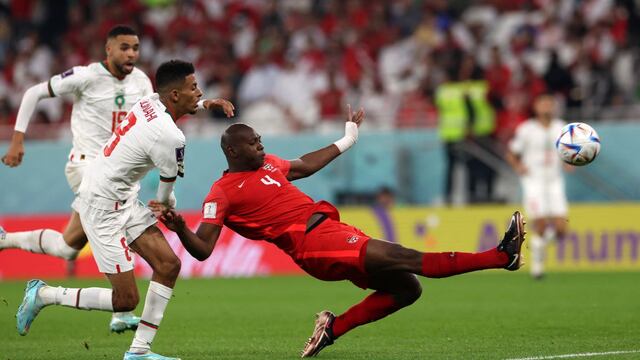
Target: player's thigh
<point>152,246</point>
<point>333,251</point>
<point>383,257</point>
<point>74,171</point>
<point>74,234</point>
<point>105,230</point>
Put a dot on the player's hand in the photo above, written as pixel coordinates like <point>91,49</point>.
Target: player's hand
<point>158,208</point>
<point>172,220</point>
<point>14,154</point>
<point>226,106</point>
<point>357,118</point>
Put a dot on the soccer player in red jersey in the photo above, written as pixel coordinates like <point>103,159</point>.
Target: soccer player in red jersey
<point>256,199</point>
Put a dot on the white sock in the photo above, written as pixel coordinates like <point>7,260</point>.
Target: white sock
<point>156,302</point>
<point>537,255</point>
<point>85,298</point>
<point>41,241</point>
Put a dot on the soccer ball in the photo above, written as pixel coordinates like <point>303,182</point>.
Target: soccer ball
<point>578,144</point>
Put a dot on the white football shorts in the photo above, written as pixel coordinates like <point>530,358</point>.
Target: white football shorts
<point>544,198</point>
<point>110,231</point>
<point>74,170</point>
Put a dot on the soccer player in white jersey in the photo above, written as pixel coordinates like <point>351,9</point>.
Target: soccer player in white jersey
<point>115,221</point>
<point>103,93</point>
<point>533,156</point>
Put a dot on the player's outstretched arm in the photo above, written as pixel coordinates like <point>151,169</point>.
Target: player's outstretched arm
<point>201,244</point>
<point>226,105</point>
<point>30,99</point>
<point>310,163</point>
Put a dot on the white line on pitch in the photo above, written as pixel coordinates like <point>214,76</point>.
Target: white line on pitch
<point>568,356</point>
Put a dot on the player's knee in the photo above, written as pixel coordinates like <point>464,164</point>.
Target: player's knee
<point>410,293</point>
<point>125,300</point>
<point>170,268</point>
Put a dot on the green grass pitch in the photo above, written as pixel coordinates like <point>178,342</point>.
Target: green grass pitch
<point>492,315</point>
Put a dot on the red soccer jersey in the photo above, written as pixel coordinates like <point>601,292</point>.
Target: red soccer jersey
<point>261,204</point>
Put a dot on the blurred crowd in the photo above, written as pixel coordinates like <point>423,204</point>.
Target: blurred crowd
<point>296,63</point>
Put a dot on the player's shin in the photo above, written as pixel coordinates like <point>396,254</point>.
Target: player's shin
<point>538,246</point>
<point>155,304</point>
<point>439,265</point>
<point>373,307</point>
<point>41,241</point>
<point>84,298</point>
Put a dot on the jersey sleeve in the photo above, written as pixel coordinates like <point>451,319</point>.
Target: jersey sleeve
<point>518,142</point>
<point>167,155</point>
<point>215,205</point>
<point>68,82</point>
<point>283,165</point>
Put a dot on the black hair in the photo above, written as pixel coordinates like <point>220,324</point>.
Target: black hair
<point>121,30</point>
<point>171,72</point>
<point>229,136</point>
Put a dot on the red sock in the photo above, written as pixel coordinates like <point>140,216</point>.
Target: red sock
<point>372,308</point>
<point>439,265</point>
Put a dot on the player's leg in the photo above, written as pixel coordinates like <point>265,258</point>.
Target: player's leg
<point>394,290</point>
<point>48,241</point>
<point>65,245</point>
<point>383,256</point>
<point>538,247</point>
<point>153,247</point>
<point>105,231</point>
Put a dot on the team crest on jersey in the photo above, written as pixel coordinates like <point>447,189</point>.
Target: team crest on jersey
<point>67,73</point>
<point>269,167</point>
<point>119,99</point>
<point>353,239</point>
<point>180,161</point>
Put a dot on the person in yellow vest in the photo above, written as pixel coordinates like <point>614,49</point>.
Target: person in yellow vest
<point>466,114</point>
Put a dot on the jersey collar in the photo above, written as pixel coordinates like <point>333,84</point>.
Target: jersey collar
<point>104,65</point>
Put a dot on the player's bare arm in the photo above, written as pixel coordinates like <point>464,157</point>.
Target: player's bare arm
<point>310,163</point>
<point>226,105</point>
<point>201,244</point>
<point>15,152</point>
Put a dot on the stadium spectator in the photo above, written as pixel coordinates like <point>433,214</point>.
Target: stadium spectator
<point>370,39</point>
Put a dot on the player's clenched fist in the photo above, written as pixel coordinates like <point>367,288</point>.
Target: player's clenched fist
<point>226,105</point>
<point>14,155</point>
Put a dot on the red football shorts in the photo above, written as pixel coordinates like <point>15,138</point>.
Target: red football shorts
<point>333,251</point>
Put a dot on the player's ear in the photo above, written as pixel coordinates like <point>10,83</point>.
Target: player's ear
<point>174,95</point>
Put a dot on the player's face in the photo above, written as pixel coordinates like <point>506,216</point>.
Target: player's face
<point>544,107</point>
<point>251,151</point>
<point>123,52</point>
<point>189,95</point>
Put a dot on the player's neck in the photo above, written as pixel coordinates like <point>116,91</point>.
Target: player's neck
<point>170,109</point>
<point>544,122</point>
<point>235,168</point>
<point>113,70</point>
